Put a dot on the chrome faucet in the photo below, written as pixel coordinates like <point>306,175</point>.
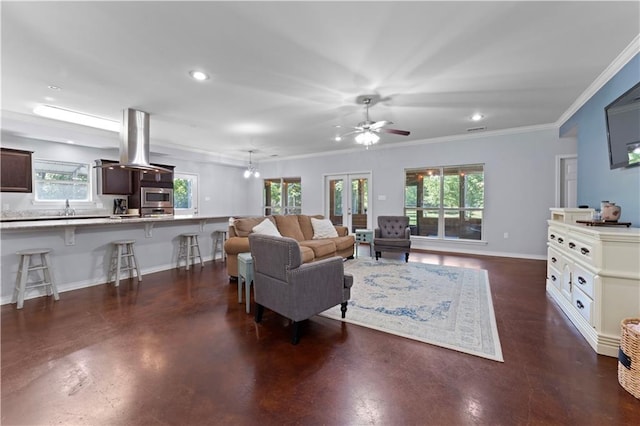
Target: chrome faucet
<point>68,211</point>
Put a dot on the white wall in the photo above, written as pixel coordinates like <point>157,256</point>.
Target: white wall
<point>519,179</point>
<point>519,183</point>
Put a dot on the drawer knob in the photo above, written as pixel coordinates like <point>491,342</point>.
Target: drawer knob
<point>584,250</point>
<point>552,236</point>
<point>553,278</point>
<point>554,260</point>
<point>572,245</point>
<point>582,281</point>
<point>579,304</point>
<point>560,240</point>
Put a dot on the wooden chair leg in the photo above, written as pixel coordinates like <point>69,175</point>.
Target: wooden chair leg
<point>343,308</point>
<point>406,257</point>
<point>259,310</point>
<point>378,254</point>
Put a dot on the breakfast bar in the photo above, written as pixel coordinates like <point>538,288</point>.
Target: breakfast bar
<point>81,246</point>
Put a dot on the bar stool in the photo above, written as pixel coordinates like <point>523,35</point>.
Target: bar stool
<point>189,250</point>
<point>25,267</point>
<point>219,237</point>
<point>123,259</point>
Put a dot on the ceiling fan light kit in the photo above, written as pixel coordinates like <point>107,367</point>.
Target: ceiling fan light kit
<point>367,138</point>
<point>367,131</point>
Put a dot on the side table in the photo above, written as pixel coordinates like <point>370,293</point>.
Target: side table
<point>364,236</point>
<point>245,273</point>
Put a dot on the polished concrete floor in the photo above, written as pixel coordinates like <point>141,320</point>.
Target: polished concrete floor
<point>178,349</point>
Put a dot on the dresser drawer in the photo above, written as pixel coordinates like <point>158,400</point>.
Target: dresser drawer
<point>554,277</point>
<point>582,249</point>
<point>557,238</point>
<point>553,258</point>
<point>582,303</point>
<point>583,280</point>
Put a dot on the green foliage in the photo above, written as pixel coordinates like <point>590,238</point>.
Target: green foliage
<point>182,193</point>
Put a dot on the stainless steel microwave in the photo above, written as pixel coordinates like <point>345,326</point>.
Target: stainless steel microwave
<point>156,197</point>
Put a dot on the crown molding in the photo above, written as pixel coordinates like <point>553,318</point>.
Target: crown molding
<point>623,58</point>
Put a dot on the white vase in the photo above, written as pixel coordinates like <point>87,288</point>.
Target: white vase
<point>610,212</point>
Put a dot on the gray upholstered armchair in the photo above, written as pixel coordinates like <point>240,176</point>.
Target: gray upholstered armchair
<point>392,234</point>
<point>295,290</point>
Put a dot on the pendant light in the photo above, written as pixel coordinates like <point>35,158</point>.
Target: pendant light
<point>251,169</point>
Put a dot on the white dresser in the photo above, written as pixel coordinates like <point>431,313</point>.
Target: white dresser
<point>593,273</point>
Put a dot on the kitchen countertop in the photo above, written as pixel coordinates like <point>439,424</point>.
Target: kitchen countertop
<point>60,217</point>
<point>74,221</point>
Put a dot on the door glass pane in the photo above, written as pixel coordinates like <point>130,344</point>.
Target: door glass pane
<point>185,193</point>
<point>335,201</point>
<point>182,193</point>
<point>360,203</point>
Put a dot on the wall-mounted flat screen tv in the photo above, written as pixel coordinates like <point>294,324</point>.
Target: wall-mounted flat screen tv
<point>623,129</point>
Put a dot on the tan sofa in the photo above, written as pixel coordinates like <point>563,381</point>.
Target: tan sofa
<point>297,227</point>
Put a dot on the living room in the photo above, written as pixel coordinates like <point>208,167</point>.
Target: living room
<point>264,372</point>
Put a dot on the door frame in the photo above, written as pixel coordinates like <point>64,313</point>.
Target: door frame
<point>347,176</point>
<point>560,160</point>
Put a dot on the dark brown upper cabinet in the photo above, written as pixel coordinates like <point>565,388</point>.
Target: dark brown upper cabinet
<point>157,180</point>
<point>115,181</point>
<point>16,175</point>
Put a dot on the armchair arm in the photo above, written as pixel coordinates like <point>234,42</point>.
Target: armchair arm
<point>407,233</point>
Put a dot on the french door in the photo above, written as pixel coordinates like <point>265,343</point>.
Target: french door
<point>347,200</point>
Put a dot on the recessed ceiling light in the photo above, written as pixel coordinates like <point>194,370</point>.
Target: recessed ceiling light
<point>477,117</point>
<point>199,75</point>
<point>52,87</point>
<point>70,142</point>
<point>77,117</point>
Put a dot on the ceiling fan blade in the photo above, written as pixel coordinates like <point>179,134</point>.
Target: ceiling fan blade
<point>350,133</point>
<point>379,124</point>
<point>396,132</point>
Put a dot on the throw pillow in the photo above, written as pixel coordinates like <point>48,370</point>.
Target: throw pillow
<point>323,228</point>
<point>266,227</point>
<point>288,226</point>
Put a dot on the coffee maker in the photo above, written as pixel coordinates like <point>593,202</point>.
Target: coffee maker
<point>120,206</point>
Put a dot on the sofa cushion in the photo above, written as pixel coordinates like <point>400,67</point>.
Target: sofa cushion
<point>305,225</point>
<point>306,254</point>
<point>321,248</point>
<point>344,243</point>
<point>289,227</point>
<point>244,226</point>
<point>323,228</point>
<point>266,227</point>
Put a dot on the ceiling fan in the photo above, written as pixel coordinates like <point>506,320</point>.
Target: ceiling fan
<point>367,131</point>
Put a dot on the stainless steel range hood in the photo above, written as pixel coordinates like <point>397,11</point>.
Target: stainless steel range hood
<point>134,143</point>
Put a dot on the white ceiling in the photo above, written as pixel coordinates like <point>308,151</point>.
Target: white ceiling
<point>284,74</point>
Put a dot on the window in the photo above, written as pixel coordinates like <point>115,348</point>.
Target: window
<point>282,196</point>
<point>445,202</point>
<point>61,180</point>
<point>185,193</point>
